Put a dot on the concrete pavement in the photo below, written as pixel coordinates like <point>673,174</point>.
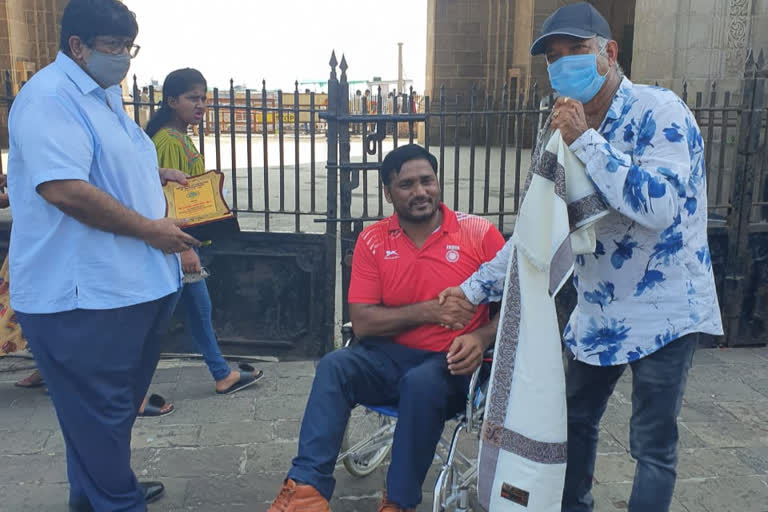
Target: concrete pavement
<point>230,453</point>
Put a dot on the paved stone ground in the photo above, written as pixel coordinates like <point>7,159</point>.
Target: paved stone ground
<point>230,453</point>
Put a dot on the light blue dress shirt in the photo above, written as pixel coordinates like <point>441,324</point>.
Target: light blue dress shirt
<point>64,126</point>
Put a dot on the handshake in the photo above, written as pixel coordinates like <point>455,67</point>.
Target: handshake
<point>452,310</point>
<point>455,312</point>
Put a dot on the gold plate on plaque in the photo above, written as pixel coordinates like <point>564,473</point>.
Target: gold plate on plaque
<point>200,202</point>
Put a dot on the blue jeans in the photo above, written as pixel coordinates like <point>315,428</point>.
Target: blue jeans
<point>198,324</point>
<point>98,365</point>
<point>658,384</point>
<point>377,371</point>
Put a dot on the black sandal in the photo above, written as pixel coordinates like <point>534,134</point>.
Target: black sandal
<point>154,407</point>
<point>248,377</point>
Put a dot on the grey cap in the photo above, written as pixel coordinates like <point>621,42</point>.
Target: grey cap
<point>580,20</point>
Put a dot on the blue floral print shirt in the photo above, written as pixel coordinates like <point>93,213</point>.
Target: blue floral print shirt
<point>650,279</point>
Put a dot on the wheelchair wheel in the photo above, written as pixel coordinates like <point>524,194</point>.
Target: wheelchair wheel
<point>367,441</point>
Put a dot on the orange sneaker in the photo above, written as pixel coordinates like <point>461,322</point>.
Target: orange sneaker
<point>299,498</point>
<point>388,506</point>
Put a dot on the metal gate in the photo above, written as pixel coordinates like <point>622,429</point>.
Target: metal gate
<point>272,285</point>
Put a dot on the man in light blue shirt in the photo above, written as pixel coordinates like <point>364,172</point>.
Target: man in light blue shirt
<point>94,273</point>
<point>648,290</point>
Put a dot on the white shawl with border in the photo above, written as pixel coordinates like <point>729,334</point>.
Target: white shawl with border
<point>523,442</point>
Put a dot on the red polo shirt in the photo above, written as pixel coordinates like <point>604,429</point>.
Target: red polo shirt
<point>388,269</point>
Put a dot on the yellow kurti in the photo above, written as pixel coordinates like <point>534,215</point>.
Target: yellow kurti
<point>175,150</point>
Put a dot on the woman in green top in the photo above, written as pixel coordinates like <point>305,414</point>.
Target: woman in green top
<point>184,96</point>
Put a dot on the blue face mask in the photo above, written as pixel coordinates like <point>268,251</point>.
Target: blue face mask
<point>576,76</point>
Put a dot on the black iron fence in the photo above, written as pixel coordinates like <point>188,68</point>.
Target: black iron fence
<point>272,146</point>
<point>238,121</point>
<point>745,289</point>
<point>497,134</point>
<point>307,162</point>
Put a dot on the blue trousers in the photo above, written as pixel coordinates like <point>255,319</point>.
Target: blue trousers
<point>377,371</point>
<point>198,324</point>
<point>98,365</point>
<point>658,384</point>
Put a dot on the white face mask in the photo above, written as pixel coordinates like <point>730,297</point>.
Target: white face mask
<point>108,69</point>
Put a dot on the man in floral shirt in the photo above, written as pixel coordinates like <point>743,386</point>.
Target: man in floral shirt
<point>648,290</point>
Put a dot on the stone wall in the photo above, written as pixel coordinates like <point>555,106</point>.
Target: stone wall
<point>700,41</point>
<point>703,43</point>
<point>29,40</point>
<point>759,25</point>
<point>487,42</point>
<point>464,44</point>
<point>32,31</point>
<point>469,43</point>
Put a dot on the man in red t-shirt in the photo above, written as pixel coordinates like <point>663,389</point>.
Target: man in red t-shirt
<point>414,353</point>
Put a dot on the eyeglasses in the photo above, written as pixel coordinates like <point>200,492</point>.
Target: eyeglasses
<point>115,46</point>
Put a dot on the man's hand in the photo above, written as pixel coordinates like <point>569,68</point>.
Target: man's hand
<point>466,354</point>
<point>167,175</point>
<point>453,313</point>
<point>454,291</point>
<point>3,181</point>
<point>455,310</point>
<point>166,235</point>
<point>190,262</point>
<point>4,201</point>
<point>569,118</point>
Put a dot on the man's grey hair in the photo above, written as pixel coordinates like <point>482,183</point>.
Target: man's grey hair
<point>602,44</point>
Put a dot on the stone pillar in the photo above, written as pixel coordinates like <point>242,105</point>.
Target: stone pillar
<point>520,75</point>
<point>487,43</point>
<point>29,41</point>
<point>469,43</point>
<point>456,46</point>
<point>710,41</point>
<point>759,25</point>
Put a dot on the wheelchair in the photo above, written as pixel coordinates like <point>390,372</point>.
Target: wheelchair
<point>370,431</point>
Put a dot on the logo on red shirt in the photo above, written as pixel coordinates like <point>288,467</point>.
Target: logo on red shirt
<point>452,253</point>
<point>391,255</point>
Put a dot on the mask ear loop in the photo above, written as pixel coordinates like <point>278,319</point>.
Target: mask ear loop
<point>602,52</point>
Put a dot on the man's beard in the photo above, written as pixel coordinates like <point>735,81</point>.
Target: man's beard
<point>405,213</point>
